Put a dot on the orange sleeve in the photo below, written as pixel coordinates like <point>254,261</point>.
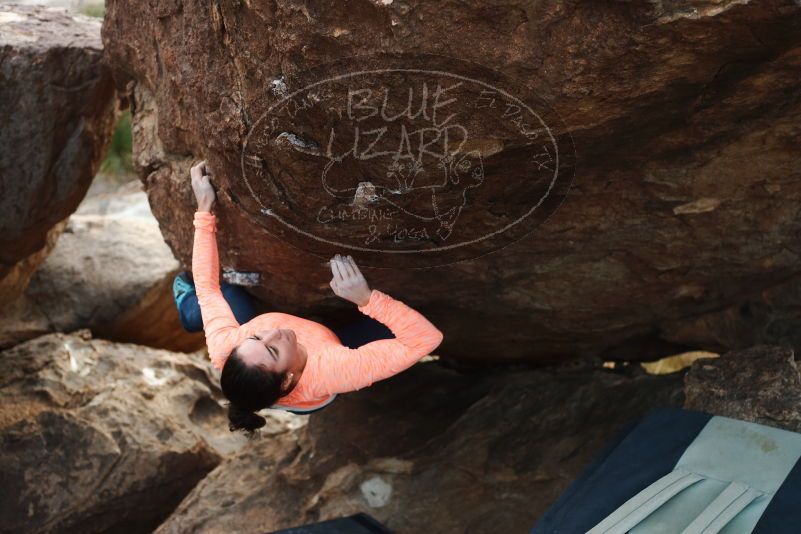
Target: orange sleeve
<point>219,323</point>
<point>344,369</point>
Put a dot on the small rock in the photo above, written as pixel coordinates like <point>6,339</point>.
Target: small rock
<point>761,384</point>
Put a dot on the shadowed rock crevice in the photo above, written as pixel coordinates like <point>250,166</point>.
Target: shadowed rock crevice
<point>430,450</point>
<point>438,451</point>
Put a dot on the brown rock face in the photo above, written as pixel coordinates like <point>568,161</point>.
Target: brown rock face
<point>676,121</point>
<point>57,109</point>
<point>103,437</point>
<point>428,451</point>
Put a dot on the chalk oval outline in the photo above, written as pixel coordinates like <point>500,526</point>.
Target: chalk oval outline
<point>269,212</point>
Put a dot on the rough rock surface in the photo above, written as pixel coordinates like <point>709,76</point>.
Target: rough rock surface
<point>437,451</point>
<point>58,104</point>
<point>110,272</point>
<point>104,437</point>
<point>761,384</point>
<point>684,116</point>
<point>430,450</point>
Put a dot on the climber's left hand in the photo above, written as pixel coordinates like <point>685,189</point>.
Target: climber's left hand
<point>201,185</point>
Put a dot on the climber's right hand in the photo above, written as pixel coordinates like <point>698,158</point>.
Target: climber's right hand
<point>348,281</point>
<point>201,185</point>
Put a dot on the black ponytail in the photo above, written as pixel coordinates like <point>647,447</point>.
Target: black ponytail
<point>243,419</point>
<point>250,388</point>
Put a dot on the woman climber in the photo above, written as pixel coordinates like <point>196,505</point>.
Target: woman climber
<point>277,360</point>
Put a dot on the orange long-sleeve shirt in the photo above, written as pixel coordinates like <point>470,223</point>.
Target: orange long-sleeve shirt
<point>331,367</point>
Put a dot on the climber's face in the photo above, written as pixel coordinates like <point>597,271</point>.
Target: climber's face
<point>275,350</point>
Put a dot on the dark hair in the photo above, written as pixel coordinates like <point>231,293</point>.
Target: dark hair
<point>249,388</point>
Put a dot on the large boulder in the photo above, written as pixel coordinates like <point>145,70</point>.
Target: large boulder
<point>104,437</point>
<point>58,105</point>
<point>430,450</point>
<point>110,272</point>
<point>683,114</point>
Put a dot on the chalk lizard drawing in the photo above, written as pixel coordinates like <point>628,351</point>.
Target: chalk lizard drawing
<point>447,196</point>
